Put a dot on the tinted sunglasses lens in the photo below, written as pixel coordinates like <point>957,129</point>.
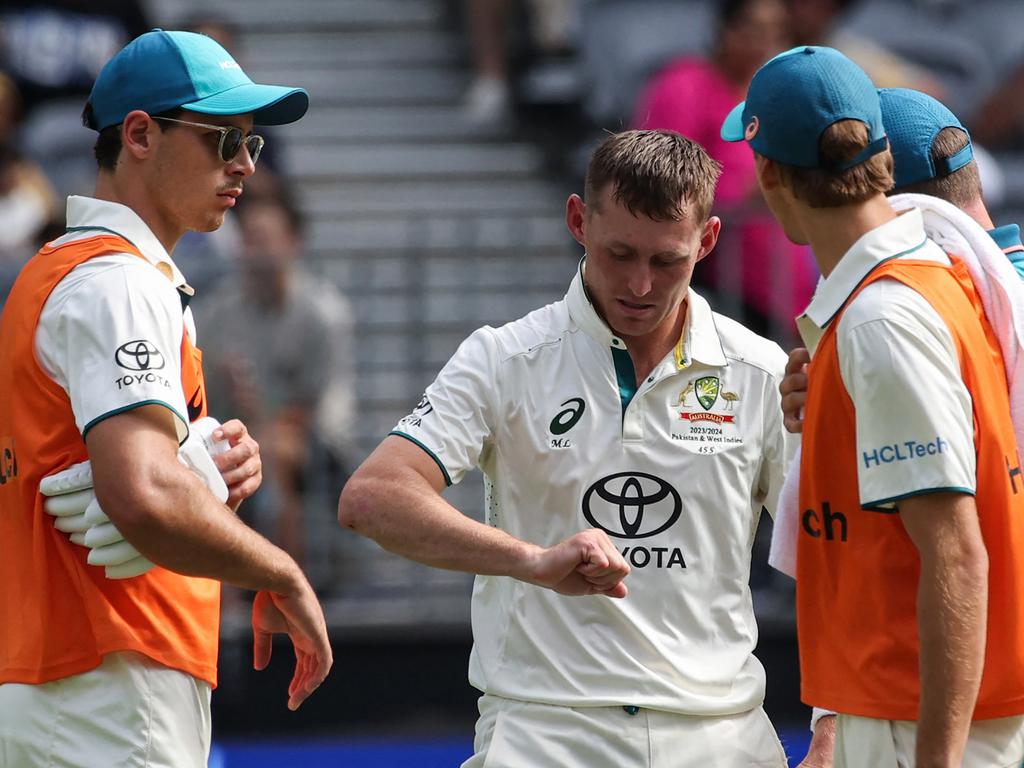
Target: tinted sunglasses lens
<point>255,145</point>
<point>230,143</point>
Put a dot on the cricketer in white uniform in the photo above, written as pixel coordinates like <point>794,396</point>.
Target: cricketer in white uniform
<point>673,458</point>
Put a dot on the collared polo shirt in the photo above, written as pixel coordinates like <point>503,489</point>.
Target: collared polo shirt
<point>915,429</point>
<point>110,333</point>
<point>675,470</point>
<point>1007,237</point>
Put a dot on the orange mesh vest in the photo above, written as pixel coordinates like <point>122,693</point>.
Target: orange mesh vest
<point>857,570</point>
<point>58,615</point>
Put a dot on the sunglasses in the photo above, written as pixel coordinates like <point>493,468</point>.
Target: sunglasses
<point>231,139</point>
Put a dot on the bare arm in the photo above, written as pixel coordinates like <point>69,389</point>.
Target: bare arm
<point>820,753</point>
<point>167,513</point>
<point>952,611</point>
<point>395,499</point>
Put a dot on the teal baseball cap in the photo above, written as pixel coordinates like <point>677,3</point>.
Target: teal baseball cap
<point>913,120</point>
<point>795,96</point>
<point>160,70</point>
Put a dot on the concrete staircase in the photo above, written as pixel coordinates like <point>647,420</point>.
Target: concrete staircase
<point>431,225</point>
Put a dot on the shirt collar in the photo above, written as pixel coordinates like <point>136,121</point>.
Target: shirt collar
<point>1007,237</point>
<point>903,236</point>
<point>89,213</point>
<point>699,340</point>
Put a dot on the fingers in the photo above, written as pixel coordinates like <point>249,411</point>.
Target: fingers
<point>72,524</point>
<point>799,358</point>
<point>130,569</point>
<point>241,467</point>
<point>232,430</point>
<point>793,410</point>
<point>113,554</point>
<point>75,478</point>
<point>793,389</point>
<point>261,647</point>
<point>102,535</point>
<point>602,555</point>
<point>68,504</point>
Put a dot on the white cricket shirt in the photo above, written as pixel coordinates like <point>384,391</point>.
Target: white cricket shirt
<point>915,427</point>
<point>676,473</point>
<point>110,332</point>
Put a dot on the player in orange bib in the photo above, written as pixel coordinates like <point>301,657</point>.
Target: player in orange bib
<point>99,363</point>
<point>909,559</point>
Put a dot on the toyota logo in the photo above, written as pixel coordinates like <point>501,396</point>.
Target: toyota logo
<point>632,505</point>
<point>139,355</point>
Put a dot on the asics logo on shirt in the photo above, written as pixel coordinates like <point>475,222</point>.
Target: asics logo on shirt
<point>567,418</point>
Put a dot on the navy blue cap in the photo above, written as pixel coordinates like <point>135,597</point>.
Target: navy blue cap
<point>913,120</point>
<point>159,71</point>
<point>795,96</point>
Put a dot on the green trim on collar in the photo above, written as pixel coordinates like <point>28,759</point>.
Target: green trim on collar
<point>870,272</point>
<point>625,373</point>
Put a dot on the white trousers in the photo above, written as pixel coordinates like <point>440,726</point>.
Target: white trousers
<point>129,712</point>
<point>515,734</point>
<point>864,742</point>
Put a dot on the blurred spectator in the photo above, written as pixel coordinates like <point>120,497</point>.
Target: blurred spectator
<point>54,49</point>
<point>280,340</point>
<point>488,100</point>
<point>815,22</point>
<point>693,95</point>
<point>999,122</point>
<point>27,201</point>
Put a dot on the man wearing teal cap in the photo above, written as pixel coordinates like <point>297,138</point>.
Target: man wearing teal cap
<point>108,636</point>
<point>933,155</point>
<point>907,421</point>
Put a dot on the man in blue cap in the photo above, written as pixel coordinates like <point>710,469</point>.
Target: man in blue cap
<point>932,155</point>
<point>906,422</point>
<point>114,665</point>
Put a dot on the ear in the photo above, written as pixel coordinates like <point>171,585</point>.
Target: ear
<point>576,218</point>
<point>767,172</point>
<point>709,236</point>
<point>138,134</point>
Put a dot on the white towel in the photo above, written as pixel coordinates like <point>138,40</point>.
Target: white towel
<point>1002,296</point>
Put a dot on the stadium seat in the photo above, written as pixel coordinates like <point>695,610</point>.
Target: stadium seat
<point>623,43</point>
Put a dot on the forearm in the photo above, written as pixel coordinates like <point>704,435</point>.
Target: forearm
<point>185,529</point>
<point>166,512</point>
<point>952,613</point>
<point>405,515</point>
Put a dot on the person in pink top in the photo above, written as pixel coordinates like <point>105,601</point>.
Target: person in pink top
<point>692,95</point>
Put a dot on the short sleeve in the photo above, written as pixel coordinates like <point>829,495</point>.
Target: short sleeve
<point>915,425</point>
<point>110,335</point>
<point>454,420</point>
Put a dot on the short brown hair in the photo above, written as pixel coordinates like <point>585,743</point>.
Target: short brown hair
<point>822,188</point>
<point>962,186</point>
<point>656,173</point>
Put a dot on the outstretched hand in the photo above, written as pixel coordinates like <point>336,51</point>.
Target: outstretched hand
<point>585,564</point>
<point>301,618</point>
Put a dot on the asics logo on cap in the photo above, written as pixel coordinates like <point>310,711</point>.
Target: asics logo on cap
<point>752,128</point>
